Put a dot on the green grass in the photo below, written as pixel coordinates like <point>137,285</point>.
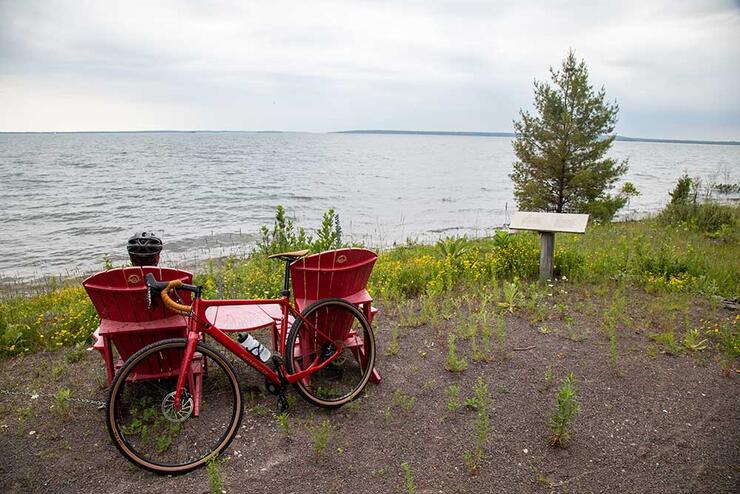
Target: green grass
<point>454,363</point>
<point>481,428</point>
<point>320,436</point>
<point>660,258</point>
<point>566,410</point>
<point>409,485</point>
<point>215,482</point>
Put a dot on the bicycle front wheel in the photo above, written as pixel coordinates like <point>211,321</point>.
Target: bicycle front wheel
<point>328,325</point>
<point>150,431</point>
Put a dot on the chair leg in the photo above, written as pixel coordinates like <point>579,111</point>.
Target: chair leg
<point>108,357</point>
<point>359,353</point>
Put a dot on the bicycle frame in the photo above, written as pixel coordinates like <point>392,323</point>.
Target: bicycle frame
<point>198,325</point>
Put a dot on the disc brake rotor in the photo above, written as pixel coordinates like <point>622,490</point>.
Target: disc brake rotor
<point>174,415</point>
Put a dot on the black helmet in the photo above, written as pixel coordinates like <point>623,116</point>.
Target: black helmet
<point>144,248</point>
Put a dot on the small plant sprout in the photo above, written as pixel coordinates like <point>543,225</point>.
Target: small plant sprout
<point>284,423</point>
<point>549,376</point>
<point>453,392</point>
<point>454,363</point>
<point>511,295</point>
<point>668,340</point>
<point>61,401</point>
<point>501,332</point>
<point>692,341</point>
<point>614,349</point>
<point>320,436</point>
<point>479,402</point>
<point>401,401</point>
<point>409,484</point>
<point>480,395</point>
<point>215,482</point>
<point>566,409</point>
<point>394,346</point>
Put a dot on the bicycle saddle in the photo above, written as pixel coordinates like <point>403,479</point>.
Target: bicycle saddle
<point>289,256</point>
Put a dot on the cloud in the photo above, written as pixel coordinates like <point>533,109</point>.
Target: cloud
<point>331,65</point>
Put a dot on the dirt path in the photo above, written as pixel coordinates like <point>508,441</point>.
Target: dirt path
<point>666,424</point>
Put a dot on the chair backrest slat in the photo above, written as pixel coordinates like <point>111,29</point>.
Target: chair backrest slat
<point>335,273</point>
<point>120,295</point>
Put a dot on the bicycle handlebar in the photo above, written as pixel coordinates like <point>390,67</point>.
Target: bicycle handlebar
<point>164,288</point>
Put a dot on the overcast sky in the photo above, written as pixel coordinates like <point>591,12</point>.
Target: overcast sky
<point>673,66</point>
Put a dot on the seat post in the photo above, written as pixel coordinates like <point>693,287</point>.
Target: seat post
<point>286,280</point>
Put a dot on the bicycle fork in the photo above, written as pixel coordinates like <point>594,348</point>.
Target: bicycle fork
<point>186,370</point>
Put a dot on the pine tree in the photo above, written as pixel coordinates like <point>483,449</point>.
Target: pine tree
<point>561,150</point>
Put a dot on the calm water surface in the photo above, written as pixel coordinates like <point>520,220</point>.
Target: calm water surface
<point>67,199</point>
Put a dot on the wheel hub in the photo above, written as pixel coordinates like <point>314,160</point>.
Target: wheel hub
<point>177,415</point>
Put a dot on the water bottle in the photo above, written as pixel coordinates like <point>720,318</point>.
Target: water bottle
<point>255,347</point>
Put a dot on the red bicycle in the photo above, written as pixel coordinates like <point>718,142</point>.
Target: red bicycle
<point>177,403</point>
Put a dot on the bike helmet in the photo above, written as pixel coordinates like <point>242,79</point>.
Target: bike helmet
<point>144,248</point>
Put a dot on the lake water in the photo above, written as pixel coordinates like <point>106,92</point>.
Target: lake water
<point>66,199</point>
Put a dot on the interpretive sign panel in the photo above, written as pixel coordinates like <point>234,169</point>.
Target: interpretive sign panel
<point>549,222</point>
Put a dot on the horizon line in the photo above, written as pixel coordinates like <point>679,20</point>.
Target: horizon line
<point>618,137</point>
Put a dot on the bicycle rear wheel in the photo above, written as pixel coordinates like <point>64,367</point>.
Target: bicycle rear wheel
<point>331,323</point>
<point>150,432</point>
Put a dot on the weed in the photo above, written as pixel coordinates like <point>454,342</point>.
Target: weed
<point>409,484</point>
<point>407,315</point>
<point>320,436</point>
<point>454,363</point>
<point>567,407</point>
<point>402,401</point>
<point>77,353</point>
<point>503,389</point>
<point>479,402</point>
<point>511,295</point>
<point>61,401</point>
<point>259,410</point>
<point>429,310</point>
<point>215,482</point>
<point>453,392</point>
<point>668,340</point>
<point>485,334</point>
<point>24,415</point>
<point>57,371</point>
<point>501,332</point>
<point>284,423</point>
<point>480,395</point>
<point>549,376</point>
<point>452,247</point>
<point>541,478</point>
<point>544,329</point>
<point>651,351</point>
<point>692,341</point>
<point>613,349</point>
<point>387,416</point>
<point>428,384</point>
<point>394,345</point>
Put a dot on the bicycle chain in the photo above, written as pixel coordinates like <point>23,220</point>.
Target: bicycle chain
<point>99,404</point>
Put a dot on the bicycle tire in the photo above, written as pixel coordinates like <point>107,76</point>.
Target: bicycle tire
<point>132,398</point>
<point>330,316</point>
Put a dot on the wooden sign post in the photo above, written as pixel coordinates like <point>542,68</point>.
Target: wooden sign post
<point>547,224</point>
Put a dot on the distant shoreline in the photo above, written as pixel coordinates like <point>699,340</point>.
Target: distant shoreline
<point>372,131</point>
<point>511,134</point>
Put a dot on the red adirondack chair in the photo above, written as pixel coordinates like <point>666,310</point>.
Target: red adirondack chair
<point>341,273</point>
<point>127,325</point>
